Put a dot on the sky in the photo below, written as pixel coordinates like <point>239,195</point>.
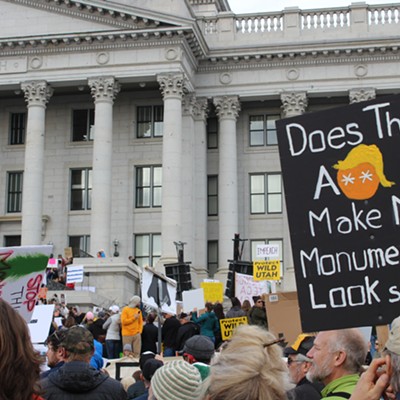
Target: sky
<point>254,6</point>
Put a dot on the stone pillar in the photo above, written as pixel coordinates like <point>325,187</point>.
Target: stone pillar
<point>104,91</point>
<point>293,103</point>
<point>171,86</point>
<point>358,95</point>
<point>227,108</point>
<point>37,94</point>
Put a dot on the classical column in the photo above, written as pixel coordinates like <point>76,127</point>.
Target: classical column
<point>37,94</point>
<point>104,90</point>
<point>171,86</point>
<point>227,109</point>
<point>358,95</point>
<point>293,103</point>
<point>194,217</point>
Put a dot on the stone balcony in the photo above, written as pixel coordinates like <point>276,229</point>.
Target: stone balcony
<point>304,29</point>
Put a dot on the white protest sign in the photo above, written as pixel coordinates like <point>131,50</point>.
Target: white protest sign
<point>74,274</point>
<point>246,288</point>
<point>268,251</point>
<point>40,323</point>
<point>193,299</point>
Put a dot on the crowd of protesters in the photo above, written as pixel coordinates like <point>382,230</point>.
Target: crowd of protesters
<point>194,364</point>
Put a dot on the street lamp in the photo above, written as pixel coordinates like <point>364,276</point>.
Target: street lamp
<point>116,244</point>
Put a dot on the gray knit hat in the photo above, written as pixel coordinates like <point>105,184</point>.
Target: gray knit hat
<point>177,380</point>
<point>200,347</point>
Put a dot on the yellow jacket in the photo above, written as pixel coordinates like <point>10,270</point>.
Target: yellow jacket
<point>131,321</point>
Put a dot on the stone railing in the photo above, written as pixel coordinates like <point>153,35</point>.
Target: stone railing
<point>354,21</point>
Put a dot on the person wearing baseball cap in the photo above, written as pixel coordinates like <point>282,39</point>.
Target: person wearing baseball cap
<point>298,365</point>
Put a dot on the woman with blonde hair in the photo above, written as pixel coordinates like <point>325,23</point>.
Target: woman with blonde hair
<point>19,362</point>
<point>250,367</point>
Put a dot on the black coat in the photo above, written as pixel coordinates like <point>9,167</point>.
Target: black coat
<point>305,390</point>
<point>169,332</point>
<point>149,338</point>
<point>78,380</point>
<point>185,332</point>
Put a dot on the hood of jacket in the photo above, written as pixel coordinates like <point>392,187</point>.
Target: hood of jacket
<point>77,377</point>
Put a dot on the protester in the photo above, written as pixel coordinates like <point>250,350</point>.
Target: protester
<point>169,332</point>
<point>76,379</point>
<point>208,321</point>
<point>132,325</point>
<point>113,336</point>
<point>236,309</point>
<point>219,312</point>
<point>250,367</point>
<point>337,360</point>
<point>177,380</point>
<point>149,369</point>
<point>55,353</point>
<point>298,365</point>
<point>137,388</point>
<point>199,351</point>
<point>257,314</point>
<point>187,330</point>
<point>19,362</point>
<point>150,334</point>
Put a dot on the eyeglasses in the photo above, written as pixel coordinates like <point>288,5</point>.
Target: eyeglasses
<point>292,360</point>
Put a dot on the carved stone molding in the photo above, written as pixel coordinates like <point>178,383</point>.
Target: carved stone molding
<point>171,85</point>
<point>293,103</point>
<point>357,95</point>
<point>195,107</point>
<point>227,106</point>
<point>105,89</point>
<point>37,93</point>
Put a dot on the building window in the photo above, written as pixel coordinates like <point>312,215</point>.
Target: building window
<point>148,186</point>
<point>212,195</point>
<point>279,242</point>
<point>212,257</point>
<point>82,125</point>
<point>147,249</point>
<point>14,191</point>
<point>265,193</point>
<point>17,128</point>
<point>81,189</point>
<point>212,133</point>
<point>12,240</point>
<point>263,130</point>
<point>80,245</point>
<point>150,121</point>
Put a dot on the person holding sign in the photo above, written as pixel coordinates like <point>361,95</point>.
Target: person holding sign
<point>208,322</point>
<point>337,360</point>
<point>19,362</point>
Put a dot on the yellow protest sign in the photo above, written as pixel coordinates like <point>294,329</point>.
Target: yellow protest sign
<point>268,270</point>
<point>213,291</point>
<point>228,325</point>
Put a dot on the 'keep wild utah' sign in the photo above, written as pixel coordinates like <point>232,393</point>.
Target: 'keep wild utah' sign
<point>341,172</point>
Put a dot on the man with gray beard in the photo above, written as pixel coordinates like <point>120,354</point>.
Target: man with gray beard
<point>337,358</point>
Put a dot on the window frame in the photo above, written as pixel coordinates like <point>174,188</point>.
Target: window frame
<point>86,189</point>
<point>17,134</point>
<point>155,120</point>
<point>152,256</point>
<point>15,193</point>
<point>212,198</point>
<point>212,265</point>
<point>266,130</point>
<point>140,188</point>
<point>212,133</point>
<point>84,240</point>
<point>267,194</point>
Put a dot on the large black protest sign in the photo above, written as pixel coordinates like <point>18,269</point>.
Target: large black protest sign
<point>341,172</point>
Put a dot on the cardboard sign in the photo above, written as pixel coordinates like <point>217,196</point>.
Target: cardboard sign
<point>213,291</point>
<point>342,185</point>
<point>21,276</point>
<point>228,325</point>
<point>267,270</point>
<point>246,288</point>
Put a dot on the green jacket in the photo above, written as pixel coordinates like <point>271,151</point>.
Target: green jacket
<point>345,384</point>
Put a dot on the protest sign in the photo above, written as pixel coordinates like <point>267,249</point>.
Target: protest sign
<point>21,276</point>
<point>39,325</point>
<point>192,299</point>
<point>267,270</point>
<point>342,187</point>
<point>74,274</point>
<point>228,325</point>
<point>213,291</point>
<point>158,290</point>
<point>246,288</point>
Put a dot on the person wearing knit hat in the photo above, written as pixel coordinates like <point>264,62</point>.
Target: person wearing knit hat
<point>198,351</point>
<point>132,325</point>
<point>177,380</point>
